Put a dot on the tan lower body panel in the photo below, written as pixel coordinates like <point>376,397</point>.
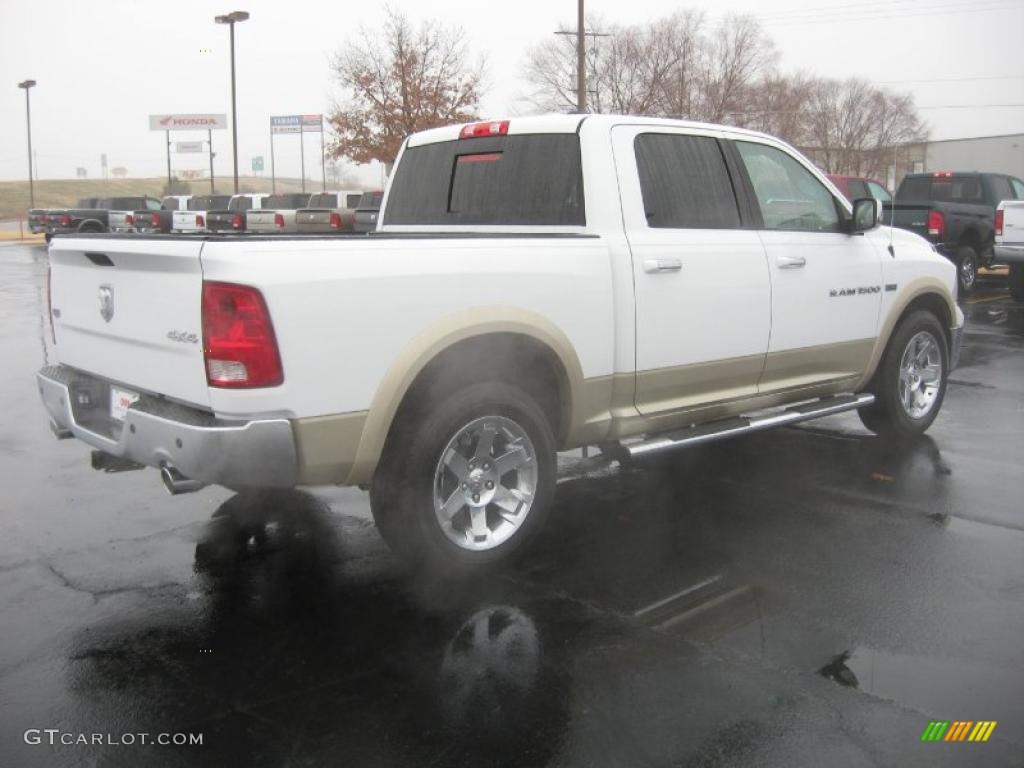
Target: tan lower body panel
<point>327,446</point>
<point>607,406</point>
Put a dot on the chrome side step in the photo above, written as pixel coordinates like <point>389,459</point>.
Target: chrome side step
<point>741,425</point>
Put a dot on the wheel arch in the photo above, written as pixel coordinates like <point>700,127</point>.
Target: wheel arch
<point>925,293</point>
<point>519,337</point>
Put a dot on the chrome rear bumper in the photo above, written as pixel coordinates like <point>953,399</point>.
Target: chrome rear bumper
<point>158,433</point>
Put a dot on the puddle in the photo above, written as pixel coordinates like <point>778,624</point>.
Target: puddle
<point>953,688</point>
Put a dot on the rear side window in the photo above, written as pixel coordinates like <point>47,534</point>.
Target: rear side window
<point>856,189</point>
<point>1018,188</point>
<point>240,204</point>
<point>171,204</point>
<point>533,179</point>
<point>1000,189</point>
<point>915,190</point>
<point>684,182</point>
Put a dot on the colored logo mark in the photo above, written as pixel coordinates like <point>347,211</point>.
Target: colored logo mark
<point>958,730</point>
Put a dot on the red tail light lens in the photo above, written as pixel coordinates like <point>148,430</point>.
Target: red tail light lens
<point>477,130</point>
<point>65,220</point>
<point>154,221</point>
<point>335,221</point>
<point>999,223</point>
<point>936,224</point>
<point>278,220</point>
<point>238,338</point>
<point>129,219</point>
<point>200,221</point>
<point>236,221</point>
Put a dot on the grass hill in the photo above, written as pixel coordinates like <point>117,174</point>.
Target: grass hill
<point>64,193</point>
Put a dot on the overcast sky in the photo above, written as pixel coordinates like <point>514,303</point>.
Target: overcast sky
<point>103,66</point>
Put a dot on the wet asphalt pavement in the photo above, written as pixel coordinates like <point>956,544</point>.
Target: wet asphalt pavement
<point>810,596</point>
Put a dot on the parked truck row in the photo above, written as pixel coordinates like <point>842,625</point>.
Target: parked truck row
<point>261,213</point>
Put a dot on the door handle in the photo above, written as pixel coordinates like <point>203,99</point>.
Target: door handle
<point>662,265</point>
<point>791,262</point>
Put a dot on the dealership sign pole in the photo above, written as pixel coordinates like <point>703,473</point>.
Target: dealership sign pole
<point>190,122</point>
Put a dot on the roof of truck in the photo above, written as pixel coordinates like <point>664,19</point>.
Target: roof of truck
<point>569,123</point>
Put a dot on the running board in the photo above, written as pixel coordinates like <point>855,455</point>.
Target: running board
<point>742,425</point>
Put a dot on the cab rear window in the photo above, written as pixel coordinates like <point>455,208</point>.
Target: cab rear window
<point>533,179</point>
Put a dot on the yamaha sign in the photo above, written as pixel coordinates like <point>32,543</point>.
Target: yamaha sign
<point>187,122</point>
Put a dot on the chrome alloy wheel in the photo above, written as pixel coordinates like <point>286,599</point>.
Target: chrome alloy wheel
<point>484,483</point>
<point>968,273</point>
<point>920,375</point>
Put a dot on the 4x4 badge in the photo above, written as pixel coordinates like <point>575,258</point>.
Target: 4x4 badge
<point>106,302</point>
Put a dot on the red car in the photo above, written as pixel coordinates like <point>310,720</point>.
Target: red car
<point>855,187</point>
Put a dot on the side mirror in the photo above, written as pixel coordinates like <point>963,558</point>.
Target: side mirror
<point>865,215</point>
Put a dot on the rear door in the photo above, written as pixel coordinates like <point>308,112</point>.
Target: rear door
<point>826,285</point>
<point>703,297</point>
<point>129,312</point>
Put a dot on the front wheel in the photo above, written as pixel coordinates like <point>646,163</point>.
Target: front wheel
<point>470,483</point>
<point>1016,280</point>
<point>910,382</point>
<point>966,268</point>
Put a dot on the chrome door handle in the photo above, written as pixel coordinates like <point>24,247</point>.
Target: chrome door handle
<point>662,265</point>
<point>791,262</point>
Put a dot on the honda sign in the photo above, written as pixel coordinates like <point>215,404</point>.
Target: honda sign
<point>187,122</point>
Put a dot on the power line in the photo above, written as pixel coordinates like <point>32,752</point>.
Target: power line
<point>952,79</point>
<point>946,10</point>
<point>969,106</point>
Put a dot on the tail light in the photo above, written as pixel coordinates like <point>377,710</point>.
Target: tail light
<point>477,130</point>
<point>236,221</point>
<point>278,220</point>
<point>335,221</point>
<point>65,220</point>
<point>999,223</point>
<point>200,221</point>
<point>42,218</point>
<point>936,224</point>
<point>238,338</point>
<point>129,220</point>
<point>154,220</point>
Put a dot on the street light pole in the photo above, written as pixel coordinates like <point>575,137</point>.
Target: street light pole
<point>27,84</point>
<point>231,19</point>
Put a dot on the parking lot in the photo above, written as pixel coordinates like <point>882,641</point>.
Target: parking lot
<point>812,595</point>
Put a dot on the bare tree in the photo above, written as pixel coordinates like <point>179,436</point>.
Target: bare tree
<point>403,80</point>
<point>736,54</point>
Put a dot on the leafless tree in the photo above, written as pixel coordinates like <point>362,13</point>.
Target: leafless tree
<point>736,54</point>
<point>404,79</point>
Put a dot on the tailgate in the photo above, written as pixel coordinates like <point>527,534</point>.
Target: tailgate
<point>260,220</point>
<point>1013,221</point>
<point>129,311</point>
<point>911,217</point>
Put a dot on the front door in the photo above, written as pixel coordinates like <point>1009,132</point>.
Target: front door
<point>826,284</point>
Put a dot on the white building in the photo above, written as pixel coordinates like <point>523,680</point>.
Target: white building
<point>993,154</point>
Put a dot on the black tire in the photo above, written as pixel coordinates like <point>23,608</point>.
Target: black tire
<point>403,488</point>
<point>48,237</point>
<point>92,226</point>
<point>887,416</point>
<point>966,268</point>
<point>1016,281</point>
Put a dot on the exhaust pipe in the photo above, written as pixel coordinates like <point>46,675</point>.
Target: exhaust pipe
<point>176,483</point>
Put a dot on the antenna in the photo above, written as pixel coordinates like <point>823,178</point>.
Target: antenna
<point>892,207</point>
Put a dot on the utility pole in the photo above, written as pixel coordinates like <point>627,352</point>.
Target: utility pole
<point>26,85</point>
<point>581,60</point>
<point>231,19</point>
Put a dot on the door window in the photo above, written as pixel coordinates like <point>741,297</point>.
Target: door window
<point>684,182</point>
<point>880,193</point>
<point>789,195</point>
<point>1000,189</point>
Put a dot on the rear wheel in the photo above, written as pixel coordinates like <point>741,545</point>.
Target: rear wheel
<point>910,383</point>
<point>1017,281</point>
<point>470,483</point>
<point>966,268</point>
<point>92,226</point>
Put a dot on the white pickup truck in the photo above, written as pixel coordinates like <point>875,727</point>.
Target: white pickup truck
<point>192,218</point>
<point>535,285</point>
<point>1009,247</point>
<point>277,213</point>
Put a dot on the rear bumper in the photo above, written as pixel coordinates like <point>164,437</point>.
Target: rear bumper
<point>956,339</point>
<point>157,433</point>
<point>1009,253</point>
